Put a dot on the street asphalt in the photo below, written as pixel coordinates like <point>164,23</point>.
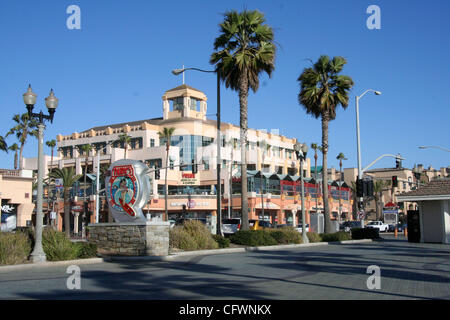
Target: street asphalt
<point>336,271</point>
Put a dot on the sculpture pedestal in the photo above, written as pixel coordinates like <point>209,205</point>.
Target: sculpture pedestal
<point>131,239</point>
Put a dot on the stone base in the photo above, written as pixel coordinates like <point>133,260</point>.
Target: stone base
<point>131,239</point>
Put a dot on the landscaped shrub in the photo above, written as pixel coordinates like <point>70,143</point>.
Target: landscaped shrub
<point>14,248</point>
<point>180,239</point>
<point>337,236</point>
<point>313,237</point>
<point>286,235</point>
<point>365,233</point>
<point>58,247</point>
<point>253,238</point>
<point>221,241</point>
<point>193,235</point>
<point>85,250</point>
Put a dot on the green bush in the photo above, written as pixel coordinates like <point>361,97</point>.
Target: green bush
<point>365,233</point>
<point>58,247</point>
<point>14,248</point>
<point>337,236</point>
<point>253,238</point>
<point>85,250</point>
<point>180,239</point>
<point>286,235</point>
<point>221,241</point>
<point>193,235</point>
<point>313,237</point>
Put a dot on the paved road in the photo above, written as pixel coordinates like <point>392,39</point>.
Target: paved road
<point>408,271</point>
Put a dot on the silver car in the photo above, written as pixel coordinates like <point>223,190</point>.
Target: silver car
<point>230,226</point>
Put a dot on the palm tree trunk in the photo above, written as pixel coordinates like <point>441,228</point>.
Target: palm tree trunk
<point>21,156</point>
<point>15,161</point>
<point>315,177</point>
<point>67,212</point>
<point>243,96</point>
<point>325,173</point>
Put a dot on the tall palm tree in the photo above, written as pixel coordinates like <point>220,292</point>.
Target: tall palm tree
<point>244,49</point>
<point>166,135</point>
<point>125,140</point>
<point>322,90</point>
<point>68,177</point>
<point>23,128</point>
<point>51,144</point>
<point>14,147</point>
<point>340,157</point>
<point>314,146</point>
<point>3,144</point>
<point>85,149</point>
<point>378,188</point>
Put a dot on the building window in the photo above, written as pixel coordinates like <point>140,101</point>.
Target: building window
<point>205,162</point>
<point>178,104</point>
<point>152,143</point>
<point>171,164</point>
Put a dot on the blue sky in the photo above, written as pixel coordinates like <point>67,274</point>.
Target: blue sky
<point>117,67</point>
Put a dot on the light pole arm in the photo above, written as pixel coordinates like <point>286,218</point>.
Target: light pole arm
<point>437,147</point>
<point>380,157</point>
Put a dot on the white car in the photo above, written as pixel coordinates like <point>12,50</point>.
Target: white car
<point>299,228</point>
<point>382,227</point>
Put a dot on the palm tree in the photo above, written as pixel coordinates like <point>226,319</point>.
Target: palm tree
<point>314,146</point>
<point>340,157</point>
<point>23,128</point>
<point>166,135</point>
<point>378,188</point>
<point>124,140</point>
<point>68,177</point>
<point>3,144</point>
<point>244,49</point>
<point>51,144</point>
<point>85,149</point>
<point>14,148</point>
<point>322,90</point>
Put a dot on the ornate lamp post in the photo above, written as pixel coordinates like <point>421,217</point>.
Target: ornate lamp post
<point>301,150</point>
<point>29,98</point>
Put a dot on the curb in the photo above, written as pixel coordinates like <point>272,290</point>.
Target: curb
<point>172,256</point>
<point>50,264</point>
<point>230,250</point>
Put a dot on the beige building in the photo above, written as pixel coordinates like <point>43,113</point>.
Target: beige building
<point>16,195</point>
<point>185,109</point>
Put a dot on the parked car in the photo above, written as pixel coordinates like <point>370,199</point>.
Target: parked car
<point>347,226</point>
<point>259,224</point>
<point>382,227</point>
<point>230,226</point>
<point>182,220</point>
<point>299,228</point>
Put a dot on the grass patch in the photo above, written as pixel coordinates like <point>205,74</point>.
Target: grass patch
<point>15,248</point>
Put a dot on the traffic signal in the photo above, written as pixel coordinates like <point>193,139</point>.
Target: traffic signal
<point>394,181</point>
<point>369,188</point>
<point>359,188</point>
<point>157,174</point>
<point>194,167</point>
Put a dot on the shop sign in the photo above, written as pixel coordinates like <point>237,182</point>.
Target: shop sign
<point>189,179</point>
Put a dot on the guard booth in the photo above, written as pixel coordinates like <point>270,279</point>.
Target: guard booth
<point>413,226</point>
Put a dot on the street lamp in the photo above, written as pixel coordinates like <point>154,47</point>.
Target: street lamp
<point>358,140</point>
<point>437,147</point>
<point>219,159</point>
<point>29,98</point>
<point>301,150</point>
<point>340,157</point>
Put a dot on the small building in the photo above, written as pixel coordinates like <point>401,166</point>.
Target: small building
<point>434,210</point>
<point>16,197</point>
